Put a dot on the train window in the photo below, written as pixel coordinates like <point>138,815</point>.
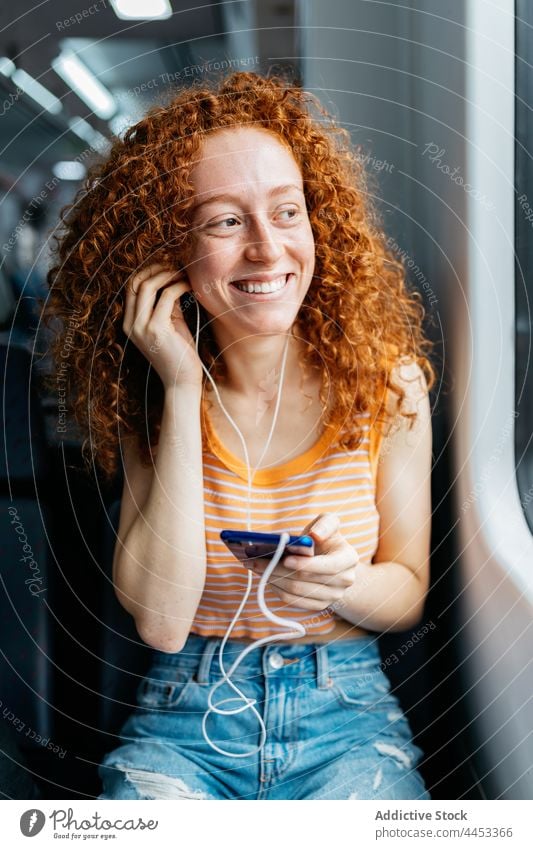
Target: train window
<point>524,254</point>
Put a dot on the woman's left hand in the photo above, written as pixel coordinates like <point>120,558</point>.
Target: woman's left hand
<point>318,581</point>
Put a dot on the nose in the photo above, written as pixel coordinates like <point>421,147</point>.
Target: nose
<point>263,243</point>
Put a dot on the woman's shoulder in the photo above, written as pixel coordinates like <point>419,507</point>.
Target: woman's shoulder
<point>403,399</point>
<point>407,384</point>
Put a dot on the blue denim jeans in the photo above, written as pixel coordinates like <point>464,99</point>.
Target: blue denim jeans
<point>334,729</point>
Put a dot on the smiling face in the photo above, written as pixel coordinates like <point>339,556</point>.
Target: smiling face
<point>251,231</point>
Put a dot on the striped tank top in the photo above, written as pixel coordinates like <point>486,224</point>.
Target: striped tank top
<point>324,479</point>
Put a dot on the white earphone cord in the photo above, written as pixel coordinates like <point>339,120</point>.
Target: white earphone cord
<point>298,630</point>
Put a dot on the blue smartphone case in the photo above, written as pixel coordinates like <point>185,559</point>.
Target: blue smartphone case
<point>252,545</point>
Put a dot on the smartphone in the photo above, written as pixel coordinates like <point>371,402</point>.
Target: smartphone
<point>248,545</point>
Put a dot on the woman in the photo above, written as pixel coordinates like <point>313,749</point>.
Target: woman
<point>246,199</point>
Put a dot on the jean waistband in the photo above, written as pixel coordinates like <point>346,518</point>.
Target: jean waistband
<point>311,660</point>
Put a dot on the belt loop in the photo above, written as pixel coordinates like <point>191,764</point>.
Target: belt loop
<point>321,666</point>
<point>204,667</point>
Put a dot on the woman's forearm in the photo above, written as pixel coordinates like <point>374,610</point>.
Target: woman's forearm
<point>160,567</point>
<point>384,596</point>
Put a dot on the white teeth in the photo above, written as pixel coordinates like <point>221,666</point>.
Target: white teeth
<point>262,288</point>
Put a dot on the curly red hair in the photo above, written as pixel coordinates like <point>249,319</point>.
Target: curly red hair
<point>358,317</point>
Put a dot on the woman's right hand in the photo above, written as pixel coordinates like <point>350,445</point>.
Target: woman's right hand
<point>159,329</point>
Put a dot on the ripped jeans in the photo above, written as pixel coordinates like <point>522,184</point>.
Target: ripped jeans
<point>334,730</point>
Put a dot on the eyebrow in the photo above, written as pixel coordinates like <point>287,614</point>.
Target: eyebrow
<point>277,190</point>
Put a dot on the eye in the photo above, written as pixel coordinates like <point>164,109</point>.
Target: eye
<point>225,223</point>
<point>289,213</point>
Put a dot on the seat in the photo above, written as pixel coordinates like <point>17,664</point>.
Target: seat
<point>26,666</point>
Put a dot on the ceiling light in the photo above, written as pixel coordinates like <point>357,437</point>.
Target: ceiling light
<point>6,66</point>
<point>141,9</point>
<point>120,123</point>
<point>69,170</point>
<point>84,83</point>
<point>84,131</point>
<point>36,91</point>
